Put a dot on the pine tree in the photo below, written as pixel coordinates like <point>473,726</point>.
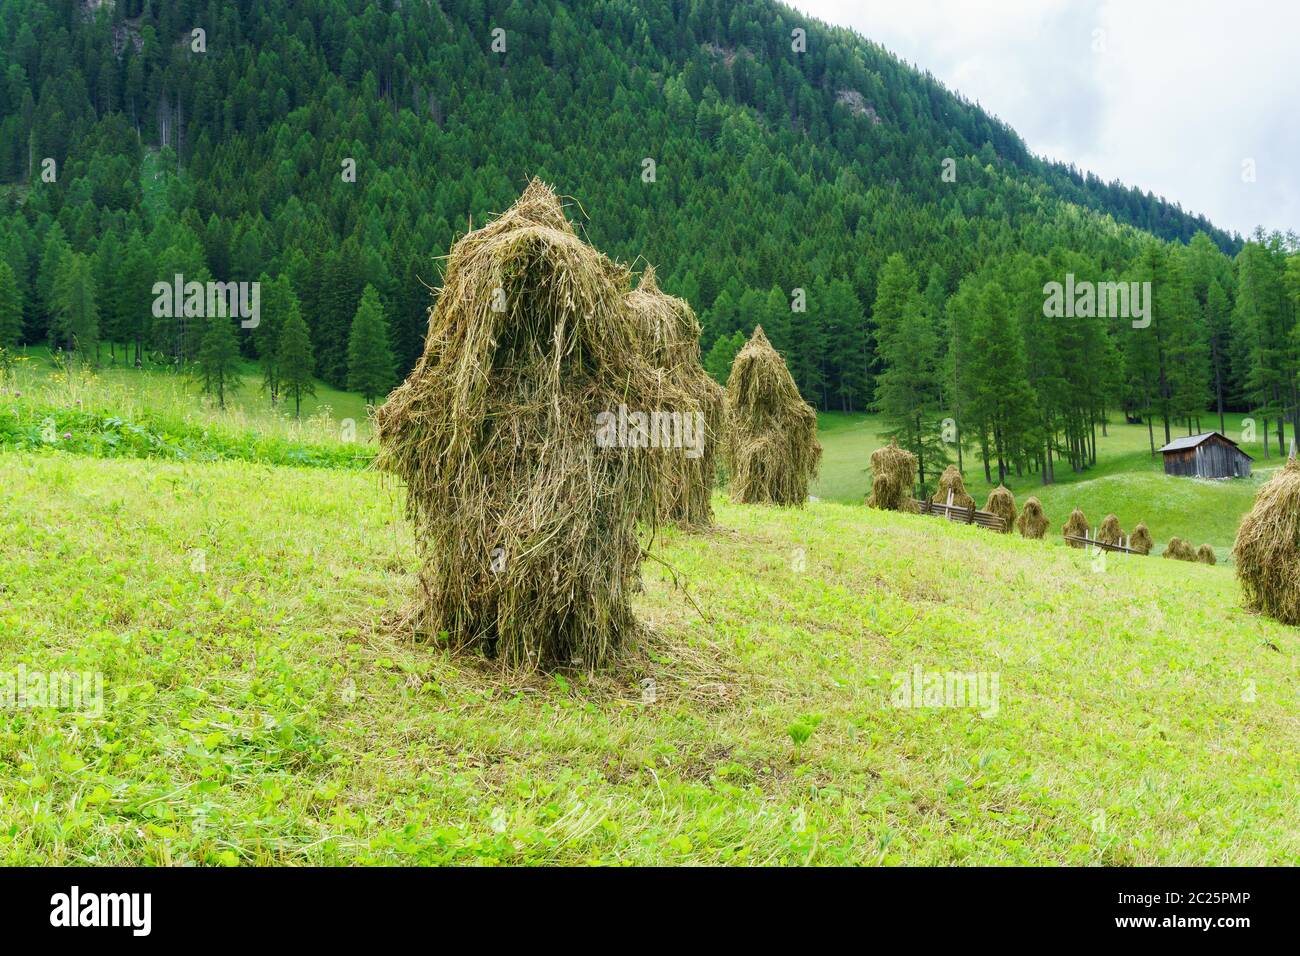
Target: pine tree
<point>718,362</point>
<point>11,308</point>
<point>218,359</point>
<point>76,313</point>
<point>370,360</point>
<point>278,303</point>
<point>296,361</point>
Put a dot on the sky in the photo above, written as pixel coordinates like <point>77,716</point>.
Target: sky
<point>1185,98</point>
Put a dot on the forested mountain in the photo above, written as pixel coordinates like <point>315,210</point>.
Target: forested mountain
<point>768,165</point>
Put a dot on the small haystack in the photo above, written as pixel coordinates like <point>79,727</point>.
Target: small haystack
<point>951,480</point>
<point>1267,551</point>
<point>1205,555</point>
<point>526,524</point>
<point>1032,523</point>
<point>1110,532</point>
<point>1140,539</point>
<point>1002,503</point>
<point>893,473</point>
<point>770,445</point>
<point>1179,550</point>
<point>687,462</point>
<point>1076,525</point>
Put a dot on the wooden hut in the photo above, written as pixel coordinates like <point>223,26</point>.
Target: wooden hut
<point>1206,456</point>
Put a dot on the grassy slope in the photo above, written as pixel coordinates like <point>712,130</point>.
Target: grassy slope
<point>258,712</point>
<point>1126,481</point>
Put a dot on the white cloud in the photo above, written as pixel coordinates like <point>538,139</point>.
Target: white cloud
<point>1170,96</point>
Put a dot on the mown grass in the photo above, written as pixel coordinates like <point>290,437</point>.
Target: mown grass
<point>1126,480</point>
<point>259,709</point>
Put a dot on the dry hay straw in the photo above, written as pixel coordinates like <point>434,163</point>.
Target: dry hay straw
<point>1032,523</point>
<point>1140,539</point>
<point>1179,550</point>
<point>893,473</point>
<point>771,446</point>
<point>1002,503</point>
<point>1076,525</point>
<point>1267,550</point>
<point>951,480</point>
<point>1110,532</point>
<point>527,529</point>
<point>671,343</point>
<point>1205,555</point>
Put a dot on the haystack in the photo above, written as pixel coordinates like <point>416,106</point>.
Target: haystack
<point>1205,555</point>
<point>686,469</point>
<point>1179,550</point>
<point>893,473</point>
<point>951,480</point>
<point>1110,532</point>
<point>1002,503</point>
<point>1267,550</point>
<point>770,445</point>
<point>1032,523</point>
<point>526,525</point>
<point>1076,525</point>
<point>1140,539</point>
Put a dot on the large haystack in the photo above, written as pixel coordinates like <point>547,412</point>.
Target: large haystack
<point>1141,539</point>
<point>1076,525</point>
<point>1205,555</point>
<point>1179,550</point>
<point>525,523</point>
<point>893,473</point>
<point>1002,503</point>
<point>686,469</point>
<point>1032,523</point>
<point>1267,550</point>
<point>1110,532</point>
<point>951,480</point>
<point>770,445</point>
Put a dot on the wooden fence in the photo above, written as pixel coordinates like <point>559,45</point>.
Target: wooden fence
<point>967,515</point>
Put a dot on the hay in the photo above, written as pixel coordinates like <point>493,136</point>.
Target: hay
<point>1110,532</point>
<point>1032,523</point>
<point>770,445</point>
<point>1140,539</point>
<point>1267,550</point>
<point>671,342</point>
<point>1003,504</point>
<point>526,526</point>
<point>951,480</point>
<point>893,473</point>
<point>1179,550</point>
<point>1205,555</point>
<point>1077,525</point>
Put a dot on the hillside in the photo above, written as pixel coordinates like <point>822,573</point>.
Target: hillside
<point>260,710</point>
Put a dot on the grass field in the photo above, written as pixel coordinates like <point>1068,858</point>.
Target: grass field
<point>1126,481</point>
<point>259,709</point>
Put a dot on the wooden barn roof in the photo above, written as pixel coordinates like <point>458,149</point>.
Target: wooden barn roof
<point>1191,441</point>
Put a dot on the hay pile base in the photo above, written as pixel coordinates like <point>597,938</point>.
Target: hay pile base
<point>770,446</point>
<point>1032,523</point>
<point>1179,550</point>
<point>1267,550</point>
<point>951,480</point>
<point>1076,525</point>
<point>671,342</point>
<point>1002,503</point>
<point>1205,555</point>
<point>1110,532</point>
<point>893,473</point>
<point>527,527</point>
<point>1140,539</point>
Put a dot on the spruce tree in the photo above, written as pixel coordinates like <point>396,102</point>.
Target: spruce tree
<point>370,360</point>
<point>296,361</point>
<point>11,308</point>
<point>218,360</point>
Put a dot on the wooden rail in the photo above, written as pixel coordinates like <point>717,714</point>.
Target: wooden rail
<point>968,515</point>
<point>1102,545</point>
